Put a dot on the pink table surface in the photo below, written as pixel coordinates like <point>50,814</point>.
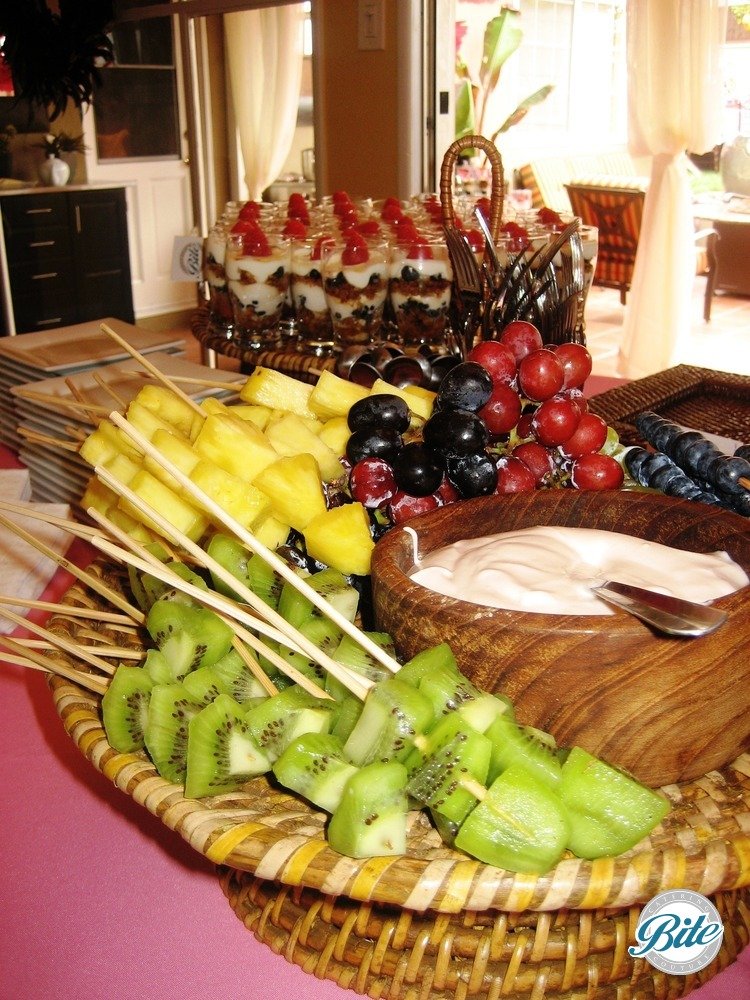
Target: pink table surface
<point>99,900</point>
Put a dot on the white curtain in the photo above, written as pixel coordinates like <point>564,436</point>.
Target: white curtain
<point>264,54</point>
<point>674,103</point>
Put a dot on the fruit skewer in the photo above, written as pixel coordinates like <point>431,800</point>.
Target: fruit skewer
<point>23,657</point>
<point>75,649</point>
<point>248,539</point>
<point>113,652</point>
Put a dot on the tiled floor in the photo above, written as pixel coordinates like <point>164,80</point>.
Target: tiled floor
<point>722,344</point>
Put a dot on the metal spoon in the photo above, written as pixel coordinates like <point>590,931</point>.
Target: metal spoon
<point>665,613</point>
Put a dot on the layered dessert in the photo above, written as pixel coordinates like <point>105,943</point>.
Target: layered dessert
<point>420,291</point>
<point>308,296</point>
<point>355,282</point>
<point>257,269</point>
<point>219,303</point>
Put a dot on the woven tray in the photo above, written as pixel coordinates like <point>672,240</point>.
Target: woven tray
<point>716,402</point>
<point>434,922</point>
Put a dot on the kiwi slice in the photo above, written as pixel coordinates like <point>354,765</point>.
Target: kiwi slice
<point>609,811</point>
<point>370,820</point>
<point>393,715</point>
<point>156,589</point>
<point>445,827</point>
<point>205,684</point>
<point>435,658</point>
<point>313,765</point>
<point>125,708</point>
<point>137,588</point>
<point>169,712</point>
<point>331,585</point>
<point>157,667</point>
<point>236,677</point>
<point>454,766</point>
<point>520,825</point>
<point>189,636</point>
<point>344,717</point>
<point>248,568</point>
<point>352,655</point>
<point>512,743</point>
<point>222,753</point>
<point>322,633</point>
<point>275,722</point>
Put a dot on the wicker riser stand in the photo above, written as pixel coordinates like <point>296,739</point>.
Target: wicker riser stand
<point>397,954</point>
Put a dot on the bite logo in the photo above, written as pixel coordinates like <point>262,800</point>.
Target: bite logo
<point>678,932</point>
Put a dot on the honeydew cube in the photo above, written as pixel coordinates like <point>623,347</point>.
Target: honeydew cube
<point>237,446</point>
<point>294,487</point>
<point>176,450</point>
<point>333,396</point>
<point>266,387</point>
<point>341,538</point>
<point>335,434</point>
<point>241,500</point>
<point>271,531</point>
<point>175,509</point>
<point>291,436</point>
<point>416,403</point>
<point>170,407</point>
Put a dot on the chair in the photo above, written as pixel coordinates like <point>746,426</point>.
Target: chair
<point>617,212</point>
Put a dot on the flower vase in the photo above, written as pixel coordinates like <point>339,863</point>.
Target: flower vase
<point>54,172</point>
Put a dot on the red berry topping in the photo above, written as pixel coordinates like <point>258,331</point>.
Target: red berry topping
<point>250,210</point>
<point>475,240</point>
<point>549,217</point>
<point>340,196</point>
<point>322,241</point>
<point>420,250</point>
<point>255,243</point>
<point>295,228</point>
<point>369,227</point>
<point>355,251</point>
<point>243,226</point>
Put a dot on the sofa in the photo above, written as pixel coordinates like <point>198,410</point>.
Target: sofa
<point>546,177</point>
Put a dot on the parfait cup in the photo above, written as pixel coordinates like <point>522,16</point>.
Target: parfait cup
<point>355,282</point>
<point>420,291</point>
<point>308,297</point>
<point>258,284</point>
<point>220,315</point>
<point>590,247</point>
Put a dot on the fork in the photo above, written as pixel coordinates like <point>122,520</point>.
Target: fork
<point>467,279</point>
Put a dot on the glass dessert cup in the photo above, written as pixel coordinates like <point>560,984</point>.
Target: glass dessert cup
<point>258,289</point>
<point>420,291</point>
<point>220,315</point>
<point>308,298</point>
<point>356,291</point>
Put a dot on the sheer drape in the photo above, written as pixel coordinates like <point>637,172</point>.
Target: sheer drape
<point>264,54</point>
<point>674,105</point>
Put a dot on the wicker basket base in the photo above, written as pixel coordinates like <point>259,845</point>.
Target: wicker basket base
<point>402,955</point>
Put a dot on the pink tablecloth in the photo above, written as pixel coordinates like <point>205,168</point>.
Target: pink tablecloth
<point>98,900</point>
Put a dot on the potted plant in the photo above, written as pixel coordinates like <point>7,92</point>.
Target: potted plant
<point>55,171</point>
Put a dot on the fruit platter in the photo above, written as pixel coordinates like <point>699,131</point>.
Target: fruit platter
<point>259,712</point>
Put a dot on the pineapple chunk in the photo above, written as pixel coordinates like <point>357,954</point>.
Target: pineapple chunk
<point>124,469</point>
<point>98,495</point>
<point>242,501</point>
<point>335,434</point>
<point>171,408</point>
<point>340,537</point>
<point>237,446</point>
<point>291,436</point>
<point>266,387</point>
<point>311,423</point>
<point>176,450</point>
<point>418,390</point>
<point>417,404</point>
<point>138,531</point>
<point>271,531</point>
<point>258,415</point>
<point>334,396</point>
<point>181,514</point>
<point>148,422</point>
<point>293,486</point>
<point>106,442</point>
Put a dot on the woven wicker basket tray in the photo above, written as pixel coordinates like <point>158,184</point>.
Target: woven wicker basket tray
<point>435,923</point>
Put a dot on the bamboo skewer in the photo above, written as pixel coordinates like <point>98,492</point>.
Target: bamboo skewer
<point>60,641</point>
<point>75,391</point>
<point>84,531</point>
<point>151,368</point>
<point>110,390</point>
<point>251,663</point>
<point>69,610</point>
<point>245,536</point>
<point>285,633</point>
<point>54,403</point>
<point>205,382</point>
<point>38,438</point>
<point>118,652</point>
<point>28,658</point>
<point>98,586</point>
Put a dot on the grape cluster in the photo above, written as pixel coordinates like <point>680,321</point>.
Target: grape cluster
<point>688,465</point>
<point>511,417</point>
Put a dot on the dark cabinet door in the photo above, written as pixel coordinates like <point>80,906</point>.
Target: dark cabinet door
<point>98,223</point>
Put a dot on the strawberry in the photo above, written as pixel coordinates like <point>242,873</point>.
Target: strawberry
<point>296,205</point>
<point>485,207</point>
<point>243,226</point>
<point>406,235</point>
<point>391,211</point>
<point>549,217</point>
<point>355,251</point>
<point>341,197</point>
<point>320,243</point>
<point>476,240</point>
<point>420,250</point>
<point>255,243</point>
<point>250,210</point>
<point>295,228</point>
<point>369,227</point>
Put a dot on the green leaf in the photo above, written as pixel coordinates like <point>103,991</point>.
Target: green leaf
<point>520,112</point>
<point>465,120</point>
<point>502,37</point>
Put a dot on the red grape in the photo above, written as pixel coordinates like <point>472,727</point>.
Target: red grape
<point>588,437</point>
<point>521,337</point>
<point>576,362</point>
<point>535,457</point>
<point>371,482</point>
<point>446,493</point>
<point>540,375</point>
<point>501,411</point>
<point>496,358</point>
<point>597,472</point>
<point>555,421</point>
<point>523,428</point>
<point>513,476</point>
<point>403,506</point>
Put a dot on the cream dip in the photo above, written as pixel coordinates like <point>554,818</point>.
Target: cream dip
<point>550,570</point>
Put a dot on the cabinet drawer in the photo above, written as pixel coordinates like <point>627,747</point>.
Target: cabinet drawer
<point>34,211</point>
<point>38,247</point>
<point>42,296</point>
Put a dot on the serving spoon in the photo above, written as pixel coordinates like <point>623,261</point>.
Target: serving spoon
<point>667,614</point>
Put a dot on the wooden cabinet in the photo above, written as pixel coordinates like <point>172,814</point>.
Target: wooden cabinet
<point>66,258</point>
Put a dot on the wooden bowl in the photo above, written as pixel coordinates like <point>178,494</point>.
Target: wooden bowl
<point>665,709</point>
